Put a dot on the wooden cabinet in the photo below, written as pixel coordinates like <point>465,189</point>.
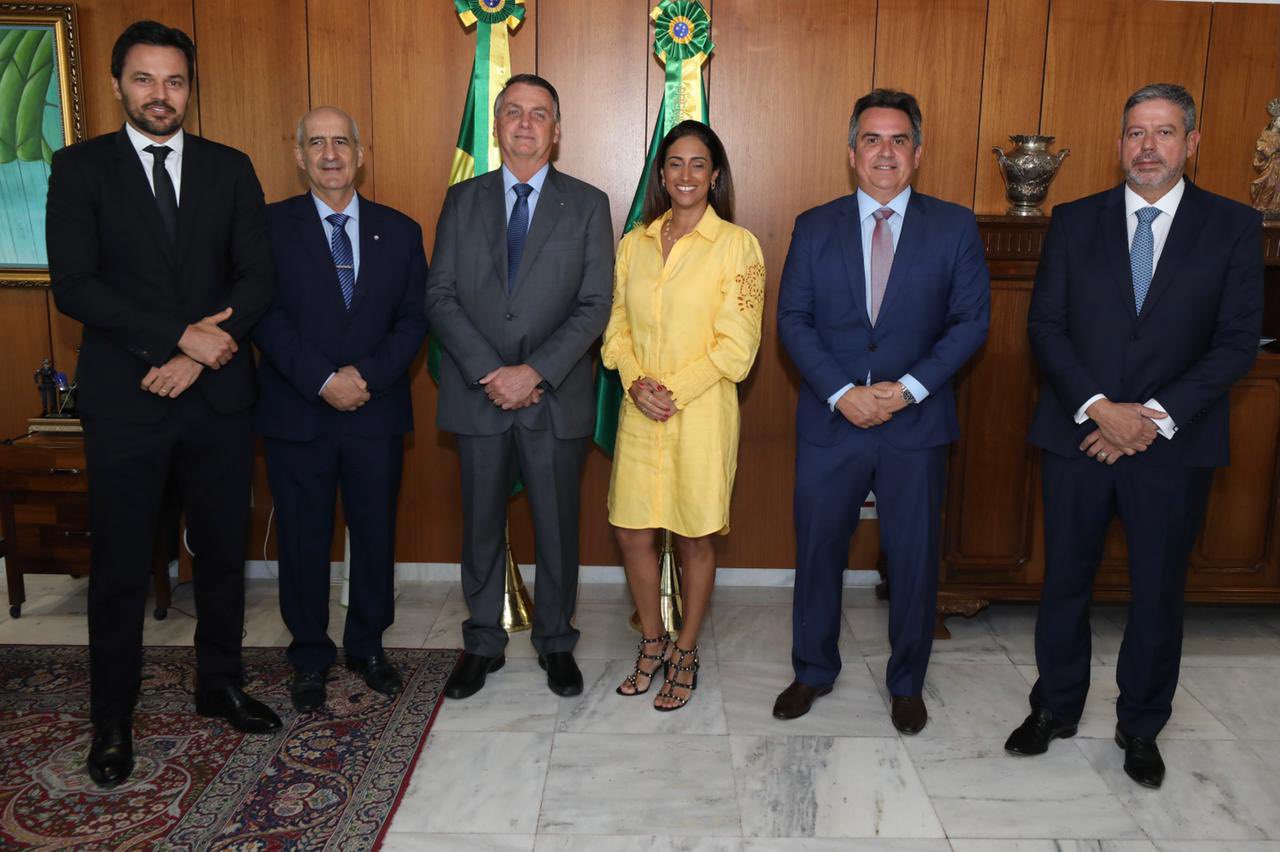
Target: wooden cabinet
<point>44,514</point>
<point>993,542</point>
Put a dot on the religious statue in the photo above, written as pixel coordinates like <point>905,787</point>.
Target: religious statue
<point>1266,160</point>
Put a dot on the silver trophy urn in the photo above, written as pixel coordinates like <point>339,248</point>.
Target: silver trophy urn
<point>1028,169</point>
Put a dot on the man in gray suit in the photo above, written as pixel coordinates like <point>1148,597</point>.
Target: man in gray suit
<point>518,294</point>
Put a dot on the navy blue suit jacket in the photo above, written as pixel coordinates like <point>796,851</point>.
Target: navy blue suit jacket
<point>934,316</point>
<point>1196,336</point>
<point>308,333</point>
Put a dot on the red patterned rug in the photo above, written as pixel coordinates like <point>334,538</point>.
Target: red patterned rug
<point>330,780</point>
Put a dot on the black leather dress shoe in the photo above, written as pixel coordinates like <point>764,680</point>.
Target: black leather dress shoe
<point>1039,729</point>
<point>1142,761</point>
<point>794,701</point>
<point>379,674</point>
<point>111,755</point>
<point>307,691</point>
<point>563,675</point>
<point>468,677</point>
<point>247,715</point>
<point>908,714</point>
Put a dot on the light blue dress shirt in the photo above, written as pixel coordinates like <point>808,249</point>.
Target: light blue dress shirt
<point>867,206</point>
<point>352,227</point>
<point>509,194</point>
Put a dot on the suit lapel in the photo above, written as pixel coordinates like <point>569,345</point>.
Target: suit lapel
<point>314,246</point>
<point>493,211</point>
<point>851,247</point>
<point>911,243</point>
<point>370,256</point>
<point>197,188</point>
<point>545,216</point>
<point>1114,236</point>
<point>1187,224</point>
<point>139,197</point>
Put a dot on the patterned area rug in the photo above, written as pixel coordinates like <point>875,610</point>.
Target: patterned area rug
<point>330,780</point>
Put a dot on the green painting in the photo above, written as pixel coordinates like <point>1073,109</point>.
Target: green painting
<point>31,129</point>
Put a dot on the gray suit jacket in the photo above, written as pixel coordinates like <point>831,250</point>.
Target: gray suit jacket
<point>552,318</point>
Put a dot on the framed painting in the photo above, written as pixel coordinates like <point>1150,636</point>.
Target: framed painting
<point>41,110</point>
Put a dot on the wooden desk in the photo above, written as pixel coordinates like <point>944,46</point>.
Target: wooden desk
<point>44,515</point>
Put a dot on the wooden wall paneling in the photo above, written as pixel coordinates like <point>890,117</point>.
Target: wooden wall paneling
<point>1242,75</point>
<point>1012,84</point>
<point>253,60</point>
<point>934,50</point>
<point>598,56</point>
<point>1088,77</point>
<point>815,59</point>
<point>24,328</point>
<point>340,69</point>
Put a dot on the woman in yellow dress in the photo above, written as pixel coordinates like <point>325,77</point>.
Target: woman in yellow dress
<point>688,299</point>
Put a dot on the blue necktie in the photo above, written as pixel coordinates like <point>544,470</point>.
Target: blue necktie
<point>1142,255</point>
<point>517,230</point>
<point>340,245</point>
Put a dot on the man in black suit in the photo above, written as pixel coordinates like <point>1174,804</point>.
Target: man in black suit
<point>346,324</point>
<point>1146,310</point>
<point>518,295</point>
<point>158,245</point>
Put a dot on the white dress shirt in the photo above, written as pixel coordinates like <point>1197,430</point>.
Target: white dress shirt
<point>172,163</point>
<point>867,206</point>
<point>1168,206</point>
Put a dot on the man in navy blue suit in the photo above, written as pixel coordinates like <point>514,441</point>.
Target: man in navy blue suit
<point>884,296</point>
<point>347,322</point>
<point>1146,310</point>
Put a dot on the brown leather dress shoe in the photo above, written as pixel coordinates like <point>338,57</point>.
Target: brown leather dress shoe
<point>908,713</point>
<point>794,701</point>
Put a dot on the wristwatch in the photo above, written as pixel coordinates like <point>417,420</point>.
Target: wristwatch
<point>907,396</point>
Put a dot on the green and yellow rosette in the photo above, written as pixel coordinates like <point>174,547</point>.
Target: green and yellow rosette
<point>682,42</point>
<point>477,151</point>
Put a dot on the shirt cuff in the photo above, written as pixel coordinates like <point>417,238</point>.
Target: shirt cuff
<point>1165,426</point>
<point>326,384</point>
<point>917,390</point>
<point>1080,412</point>
<point>835,397</point>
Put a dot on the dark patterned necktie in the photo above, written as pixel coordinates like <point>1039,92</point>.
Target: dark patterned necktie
<point>1142,255</point>
<point>343,259</point>
<point>162,185</point>
<point>517,230</point>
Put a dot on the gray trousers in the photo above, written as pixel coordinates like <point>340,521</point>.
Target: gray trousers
<point>551,469</point>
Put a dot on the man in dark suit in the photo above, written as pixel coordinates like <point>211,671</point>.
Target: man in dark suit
<point>884,297</point>
<point>1146,309</point>
<point>158,245</point>
<point>337,343</point>
<point>518,294</point>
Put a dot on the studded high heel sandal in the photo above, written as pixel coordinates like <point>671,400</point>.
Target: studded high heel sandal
<point>660,658</point>
<point>670,685</point>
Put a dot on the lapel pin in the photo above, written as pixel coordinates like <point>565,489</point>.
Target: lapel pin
<point>375,238</point>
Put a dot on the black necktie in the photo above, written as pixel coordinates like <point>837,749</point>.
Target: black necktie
<point>166,196</point>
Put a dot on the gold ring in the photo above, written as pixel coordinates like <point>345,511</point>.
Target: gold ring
<point>1102,456</point>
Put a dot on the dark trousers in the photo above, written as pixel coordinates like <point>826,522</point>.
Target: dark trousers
<point>1162,509</point>
<point>551,470</point>
<point>305,479</point>
<point>831,485</point>
<point>210,458</point>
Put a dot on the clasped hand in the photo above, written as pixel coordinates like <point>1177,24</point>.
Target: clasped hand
<point>205,342</point>
<point>1124,428</point>
<point>652,398</point>
<point>868,406</point>
<point>512,388</point>
<point>346,390</point>
<point>173,377</point>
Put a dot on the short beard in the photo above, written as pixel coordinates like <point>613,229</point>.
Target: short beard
<point>1153,179</point>
<point>156,127</point>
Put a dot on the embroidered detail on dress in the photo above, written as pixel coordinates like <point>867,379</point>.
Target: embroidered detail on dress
<point>750,287</point>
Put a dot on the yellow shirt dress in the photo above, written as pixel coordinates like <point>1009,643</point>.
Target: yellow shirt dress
<point>693,324</point>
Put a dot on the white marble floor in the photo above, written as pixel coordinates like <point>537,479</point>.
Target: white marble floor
<point>517,768</point>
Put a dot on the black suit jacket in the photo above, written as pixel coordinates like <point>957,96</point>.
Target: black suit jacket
<point>308,333</point>
<point>1196,336</point>
<point>114,269</point>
